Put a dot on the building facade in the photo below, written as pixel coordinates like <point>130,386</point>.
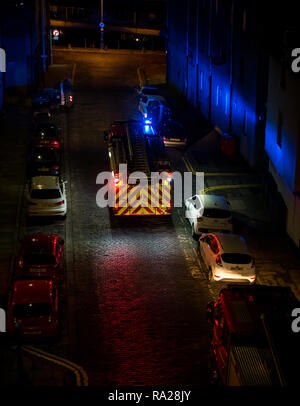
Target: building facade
<point>282,141</point>
<point>216,57</point>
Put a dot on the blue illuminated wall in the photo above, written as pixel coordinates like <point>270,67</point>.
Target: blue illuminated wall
<point>214,46</point>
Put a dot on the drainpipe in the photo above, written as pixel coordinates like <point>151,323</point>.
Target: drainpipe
<point>231,64</point>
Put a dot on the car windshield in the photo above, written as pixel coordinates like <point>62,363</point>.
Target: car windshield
<point>38,259</point>
<point>236,258</point>
<point>32,310</point>
<point>216,213</point>
<point>45,194</point>
<point>151,91</point>
<point>41,155</point>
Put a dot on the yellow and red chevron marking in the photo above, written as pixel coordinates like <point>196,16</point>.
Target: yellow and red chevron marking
<point>152,201</point>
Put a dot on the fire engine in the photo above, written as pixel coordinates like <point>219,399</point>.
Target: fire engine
<point>252,340</point>
<point>137,145</point>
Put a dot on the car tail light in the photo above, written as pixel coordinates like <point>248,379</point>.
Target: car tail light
<point>55,167</point>
<point>71,98</point>
<point>60,203</point>
<point>164,138</point>
<point>218,260</point>
<point>217,277</point>
<point>20,263</point>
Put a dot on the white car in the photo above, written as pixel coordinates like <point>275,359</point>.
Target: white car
<point>226,257</point>
<point>208,213</point>
<point>46,196</point>
<point>146,102</point>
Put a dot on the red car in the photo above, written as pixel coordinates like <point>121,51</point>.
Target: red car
<point>41,257</point>
<point>33,307</point>
<point>46,135</point>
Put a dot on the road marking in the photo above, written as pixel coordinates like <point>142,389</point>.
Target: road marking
<point>73,74</point>
<point>218,187</point>
<point>81,375</point>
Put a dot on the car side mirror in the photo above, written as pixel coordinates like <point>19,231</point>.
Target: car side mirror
<point>210,309</point>
<point>105,135</point>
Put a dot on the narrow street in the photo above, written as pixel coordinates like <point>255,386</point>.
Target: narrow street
<point>133,307</point>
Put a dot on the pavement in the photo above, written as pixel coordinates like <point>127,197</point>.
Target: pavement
<point>277,258</point>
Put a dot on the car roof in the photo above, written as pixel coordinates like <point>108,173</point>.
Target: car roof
<point>44,182</point>
<point>215,202</point>
<point>32,291</point>
<point>38,242</point>
<point>231,243</point>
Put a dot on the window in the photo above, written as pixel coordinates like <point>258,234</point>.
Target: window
<point>279,128</point>
<point>242,70</point>
<point>201,80</point>
<point>45,194</point>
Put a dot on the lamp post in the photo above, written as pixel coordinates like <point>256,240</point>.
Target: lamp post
<point>101,27</point>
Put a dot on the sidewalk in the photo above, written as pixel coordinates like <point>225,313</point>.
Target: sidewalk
<point>277,259</point>
<point>15,133</point>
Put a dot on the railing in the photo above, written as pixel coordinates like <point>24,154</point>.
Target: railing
<point>88,15</point>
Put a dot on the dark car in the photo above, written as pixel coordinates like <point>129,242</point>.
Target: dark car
<point>46,135</point>
<point>40,257</point>
<point>44,161</point>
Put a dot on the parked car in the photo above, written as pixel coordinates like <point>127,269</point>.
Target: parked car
<point>227,257</point>
<point>173,133</point>
<point>33,308</point>
<point>44,161</point>
<point>46,196</point>
<point>46,134</point>
<point>41,257</point>
<point>208,213</point>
